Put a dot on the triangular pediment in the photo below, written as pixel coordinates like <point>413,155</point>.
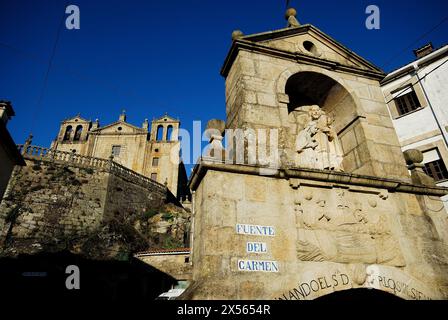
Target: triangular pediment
<point>303,43</point>
<point>119,127</point>
<point>165,118</point>
<point>76,118</point>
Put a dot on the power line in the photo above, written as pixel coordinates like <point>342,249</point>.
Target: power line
<point>47,73</point>
<point>83,76</point>
<point>412,84</point>
<point>413,43</point>
<point>77,75</point>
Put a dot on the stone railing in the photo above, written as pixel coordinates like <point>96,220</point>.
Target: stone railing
<point>46,154</point>
<point>126,173</point>
<point>41,153</point>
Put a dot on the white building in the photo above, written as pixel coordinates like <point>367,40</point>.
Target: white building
<point>417,98</point>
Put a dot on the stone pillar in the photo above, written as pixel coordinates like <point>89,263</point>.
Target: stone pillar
<point>413,159</point>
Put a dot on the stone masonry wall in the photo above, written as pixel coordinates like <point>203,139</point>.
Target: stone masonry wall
<point>102,213</point>
<point>370,236</point>
<point>46,202</point>
<point>125,197</point>
<point>176,265</point>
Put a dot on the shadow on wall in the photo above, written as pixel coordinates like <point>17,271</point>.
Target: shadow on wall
<point>42,277</point>
<point>183,192</point>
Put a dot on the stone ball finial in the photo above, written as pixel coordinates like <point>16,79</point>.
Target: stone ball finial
<point>215,125</point>
<point>290,12</point>
<point>236,34</point>
<point>413,156</point>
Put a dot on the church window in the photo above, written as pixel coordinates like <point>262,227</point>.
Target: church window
<point>78,133</point>
<point>169,133</point>
<point>154,176</point>
<point>116,151</point>
<point>155,162</point>
<point>434,165</point>
<point>159,136</point>
<point>310,47</point>
<point>68,133</point>
<point>119,128</point>
<point>407,102</point>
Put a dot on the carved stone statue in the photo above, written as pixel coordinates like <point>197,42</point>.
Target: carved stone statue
<point>317,144</point>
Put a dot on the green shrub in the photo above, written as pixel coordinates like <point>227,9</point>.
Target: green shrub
<point>149,214</point>
<point>167,216</point>
<point>171,243</point>
<point>122,256</point>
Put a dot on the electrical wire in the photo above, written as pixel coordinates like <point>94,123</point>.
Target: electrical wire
<point>412,84</point>
<point>417,40</point>
<point>39,106</point>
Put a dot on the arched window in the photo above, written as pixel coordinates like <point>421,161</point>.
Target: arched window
<point>68,133</point>
<point>159,134</point>
<point>78,132</point>
<point>169,133</point>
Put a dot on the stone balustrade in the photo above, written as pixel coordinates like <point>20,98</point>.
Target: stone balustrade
<point>46,154</point>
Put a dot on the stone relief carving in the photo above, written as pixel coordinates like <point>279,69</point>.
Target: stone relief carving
<point>317,144</point>
<point>340,227</point>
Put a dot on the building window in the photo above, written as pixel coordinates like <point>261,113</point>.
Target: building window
<point>407,102</point>
<point>78,133</point>
<point>155,162</point>
<point>68,132</point>
<point>159,133</point>
<point>116,151</point>
<point>169,133</point>
<point>154,176</point>
<point>434,165</point>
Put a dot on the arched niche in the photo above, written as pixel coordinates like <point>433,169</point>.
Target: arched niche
<point>78,133</point>
<point>67,133</point>
<point>169,133</point>
<point>306,88</point>
<point>159,133</point>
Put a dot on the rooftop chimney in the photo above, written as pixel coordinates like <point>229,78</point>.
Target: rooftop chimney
<point>423,51</point>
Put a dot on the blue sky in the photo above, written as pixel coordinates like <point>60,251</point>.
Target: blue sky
<point>152,57</point>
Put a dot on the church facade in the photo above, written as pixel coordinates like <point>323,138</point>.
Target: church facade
<point>339,208</point>
<point>151,150</point>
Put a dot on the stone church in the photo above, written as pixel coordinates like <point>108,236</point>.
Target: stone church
<point>150,150</point>
<point>340,207</point>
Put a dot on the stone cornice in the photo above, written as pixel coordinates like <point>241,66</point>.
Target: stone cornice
<point>334,177</point>
<point>118,133</point>
<point>248,43</point>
